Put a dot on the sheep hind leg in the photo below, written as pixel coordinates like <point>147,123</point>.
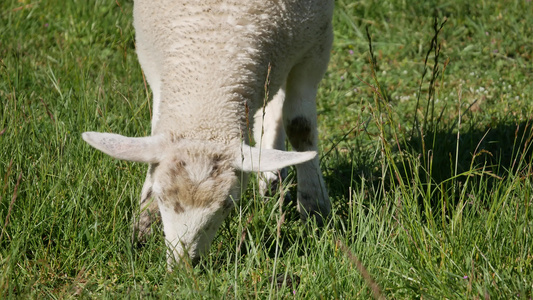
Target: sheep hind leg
<point>270,134</point>
<point>300,120</point>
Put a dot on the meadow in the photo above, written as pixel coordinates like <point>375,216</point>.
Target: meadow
<point>425,122</point>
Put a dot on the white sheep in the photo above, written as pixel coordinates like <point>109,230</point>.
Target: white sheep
<point>211,64</point>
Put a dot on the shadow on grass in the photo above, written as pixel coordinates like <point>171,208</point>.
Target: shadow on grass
<point>501,149</point>
<point>496,151</point>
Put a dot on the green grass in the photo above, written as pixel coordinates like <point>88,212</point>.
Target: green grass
<point>434,205</point>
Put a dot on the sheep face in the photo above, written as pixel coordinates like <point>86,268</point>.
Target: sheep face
<point>195,187</point>
<point>195,183</point>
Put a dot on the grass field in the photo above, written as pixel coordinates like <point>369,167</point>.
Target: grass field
<point>426,150</point>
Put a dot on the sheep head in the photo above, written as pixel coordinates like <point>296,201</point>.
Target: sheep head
<point>195,183</point>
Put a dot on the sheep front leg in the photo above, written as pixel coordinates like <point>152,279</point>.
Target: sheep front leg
<point>300,120</point>
<point>149,212</point>
<point>269,134</point>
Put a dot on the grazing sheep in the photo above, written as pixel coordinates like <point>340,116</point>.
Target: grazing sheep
<point>212,66</point>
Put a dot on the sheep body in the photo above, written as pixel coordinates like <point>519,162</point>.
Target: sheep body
<point>212,65</point>
<point>215,56</point>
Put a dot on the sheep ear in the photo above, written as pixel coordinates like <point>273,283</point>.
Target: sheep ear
<point>252,159</point>
<point>145,149</point>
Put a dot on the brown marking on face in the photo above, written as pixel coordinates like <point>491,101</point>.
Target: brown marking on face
<point>178,208</point>
<point>300,133</point>
<point>196,176</point>
<point>218,165</point>
<point>176,167</point>
<point>176,170</point>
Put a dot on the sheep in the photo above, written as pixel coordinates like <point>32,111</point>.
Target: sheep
<point>214,65</point>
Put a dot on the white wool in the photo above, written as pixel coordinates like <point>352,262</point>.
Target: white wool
<point>209,58</point>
